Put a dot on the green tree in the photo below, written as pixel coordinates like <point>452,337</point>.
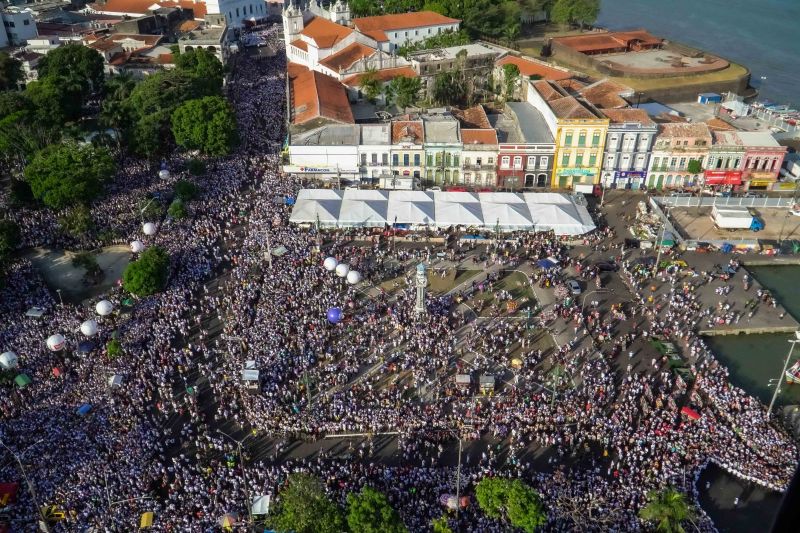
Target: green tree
<point>177,209</point>
<point>364,8</point>
<point>303,507</point>
<point>147,275</point>
<point>185,190</point>
<point>74,63</point>
<point>113,348</point>
<point>9,239</point>
<point>514,499</point>
<point>10,72</point>
<point>370,512</point>
<point>581,12</point>
<point>371,85</point>
<point>561,13</point>
<point>55,100</point>
<point>441,525</point>
<point>76,221</point>
<point>403,91</point>
<point>449,88</point>
<point>206,124</point>
<point>204,66</point>
<point>669,509</point>
<point>511,78</point>
<point>88,261</point>
<point>68,174</point>
<point>694,166</point>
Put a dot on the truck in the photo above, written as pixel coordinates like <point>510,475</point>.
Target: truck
<point>732,217</point>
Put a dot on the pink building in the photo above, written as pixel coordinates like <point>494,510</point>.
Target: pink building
<point>763,158</point>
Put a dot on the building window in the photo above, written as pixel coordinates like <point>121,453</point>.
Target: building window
<point>568,139</point>
<point>505,161</point>
<point>384,159</point>
<point>395,160</point>
<point>565,159</point>
<point>405,160</point>
<point>455,160</point>
<point>491,160</point>
<point>430,160</point>
<point>579,160</point>
<point>448,160</point>
<point>416,160</point>
<point>237,12</point>
<point>531,161</point>
<point>26,22</point>
<point>363,159</point>
<point>596,138</point>
<point>517,161</point>
<point>582,138</point>
<point>374,159</point>
<point>543,161</point>
<point>592,159</point>
<point>683,162</point>
<point>656,160</point>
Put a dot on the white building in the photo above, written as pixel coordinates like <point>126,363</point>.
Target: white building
<point>235,12</point>
<point>329,152</point>
<point>18,27</point>
<point>629,143</point>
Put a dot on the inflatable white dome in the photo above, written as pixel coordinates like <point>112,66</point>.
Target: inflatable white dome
<point>56,342</point>
<point>8,360</point>
<point>89,327</point>
<point>353,277</point>
<point>104,307</point>
<point>342,269</point>
<point>137,246</point>
<point>149,228</point>
<point>330,264</point>
<point>163,174</point>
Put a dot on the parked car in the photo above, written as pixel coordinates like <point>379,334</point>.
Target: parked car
<point>574,287</point>
<point>681,194</point>
<point>752,195</point>
<point>434,189</point>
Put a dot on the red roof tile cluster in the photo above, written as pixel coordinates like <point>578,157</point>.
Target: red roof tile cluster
<point>401,21</point>
<point>347,56</point>
<point>623,116</point>
<point>315,95</point>
<point>301,44</point>
<point>325,32</point>
<point>608,41</point>
<point>142,7</point>
<point>383,75</point>
<point>408,131</point>
<point>606,94</point>
<point>473,117</point>
<point>529,68</point>
<point>479,136</point>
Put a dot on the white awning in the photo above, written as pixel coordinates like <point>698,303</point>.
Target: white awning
<point>411,207</point>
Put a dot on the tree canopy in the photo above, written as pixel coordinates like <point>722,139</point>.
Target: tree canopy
<point>303,507</point>
<point>206,124</point>
<point>204,66</point>
<point>519,503</point>
<point>147,275</point>
<point>10,72</point>
<point>55,100</point>
<point>669,509</point>
<point>370,512</point>
<point>581,12</point>
<point>62,175</point>
<point>9,238</point>
<point>74,64</point>
<point>403,91</point>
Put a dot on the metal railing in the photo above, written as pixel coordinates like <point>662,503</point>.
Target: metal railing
<point>694,201</point>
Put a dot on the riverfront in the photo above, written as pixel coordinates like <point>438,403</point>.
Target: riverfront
<point>766,44</point>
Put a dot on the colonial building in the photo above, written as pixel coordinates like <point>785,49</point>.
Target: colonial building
<point>328,153</point>
<point>763,159</point>
<point>394,31</point>
<point>631,134</point>
<point>373,153</point>
<point>529,70</point>
<point>526,148</point>
<point>234,13</point>
<point>677,146</point>
<point>579,130</point>
<point>475,60</point>
<point>407,153</point>
<point>725,160</point>
<point>18,27</point>
<point>442,148</point>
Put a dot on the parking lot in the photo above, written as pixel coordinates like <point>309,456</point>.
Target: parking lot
<point>696,223</point>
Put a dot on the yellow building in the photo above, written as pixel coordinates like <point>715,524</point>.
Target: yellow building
<point>579,130</point>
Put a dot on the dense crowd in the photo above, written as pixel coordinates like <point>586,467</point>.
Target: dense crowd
<point>156,442</point>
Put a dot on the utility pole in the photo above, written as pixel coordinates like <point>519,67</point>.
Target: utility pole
<point>269,250</point>
<point>458,480</point>
<point>783,373</point>
<point>249,501</point>
<point>660,240</point>
<point>42,520</point>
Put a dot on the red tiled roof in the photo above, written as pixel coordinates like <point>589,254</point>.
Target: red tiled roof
<point>479,136</point>
<point>142,7</point>
<point>621,116</point>
<point>165,59</point>
<point>569,108</point>
<point>148,40</point>
<point>530,68</point>
<point>408,131</point>
<point>104,45</point>
<point>606,94</point>
<point>473,117</point>
<point>716,124</point>
<point>378,35</point>
<point>602,41</point>
<point>315,95</point>
<point>301,44</point>
<point>383,75</point>
<point>324,32</point>
<point>189,25</point>
<point>348,55</point>
<point>401,21</point>
<point>547,91</point>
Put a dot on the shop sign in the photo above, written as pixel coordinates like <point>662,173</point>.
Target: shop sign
<point>723,177</point>
<point>629,174</point>
<point>575,172</point>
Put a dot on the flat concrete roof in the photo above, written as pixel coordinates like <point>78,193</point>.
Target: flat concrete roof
<point>376,133</point>
<point>531,123</point>
<point>441,129</point>
<point>757,138</point>
<point>330,135</point>
<point>441,54</point>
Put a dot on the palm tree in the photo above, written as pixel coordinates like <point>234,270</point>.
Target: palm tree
<point>668,509</point>
<point>511,33</point>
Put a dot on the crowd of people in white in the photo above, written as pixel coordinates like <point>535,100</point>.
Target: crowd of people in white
<point>151,444</point>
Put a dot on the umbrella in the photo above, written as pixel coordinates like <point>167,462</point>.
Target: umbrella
<point>146,520</point>
<point>22,381</point>
<point>227,521</point>
<point>85,347</point>
<point>84,409</point>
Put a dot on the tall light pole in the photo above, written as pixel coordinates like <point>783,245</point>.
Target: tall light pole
<point>783,372</point>
<point>248,502</point>
<point>660,240</point>
<point>42,520</point>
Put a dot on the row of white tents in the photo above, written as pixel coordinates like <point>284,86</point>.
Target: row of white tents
<point>330,208</point>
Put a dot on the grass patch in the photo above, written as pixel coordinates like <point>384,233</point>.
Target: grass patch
<point>515,283</point>
<point>452,278</point>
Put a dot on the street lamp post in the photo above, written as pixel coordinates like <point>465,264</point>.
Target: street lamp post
<point>661,240</point>
<point>42,520</point>
<point>783,372</point>
<point>248,502</point>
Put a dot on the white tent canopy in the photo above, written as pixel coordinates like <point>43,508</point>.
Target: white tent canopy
<point>410,207</point>
<point>363,207</point>
<point>508,211</point>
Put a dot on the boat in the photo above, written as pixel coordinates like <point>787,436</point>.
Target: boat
<point>793,374</point>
